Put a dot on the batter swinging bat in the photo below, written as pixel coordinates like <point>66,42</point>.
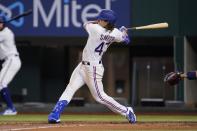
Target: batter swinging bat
<point>19,16</point>
<point>152,26</point>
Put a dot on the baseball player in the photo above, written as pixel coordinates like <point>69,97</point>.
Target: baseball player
<point>102,34</point>
<point>11,65</point>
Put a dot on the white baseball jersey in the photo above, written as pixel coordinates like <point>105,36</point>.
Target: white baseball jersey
<point>99,40</point>
<point>7,43</point>
<point>10,55</point>
<point>91,72</point>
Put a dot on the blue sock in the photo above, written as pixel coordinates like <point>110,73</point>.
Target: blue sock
<point>5,94</point>
<point>59,107</point>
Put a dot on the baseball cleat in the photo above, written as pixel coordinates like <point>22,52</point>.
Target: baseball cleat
<point>131,117</point>
<point>9,111</point>
<point>53,118</point>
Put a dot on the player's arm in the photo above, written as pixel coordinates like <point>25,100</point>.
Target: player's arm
<point>89,23</point>
<point>1,39</point>
<point>190,75</point>
<point>90,27</point>
<point>123,36</point>
<point>173,78</point>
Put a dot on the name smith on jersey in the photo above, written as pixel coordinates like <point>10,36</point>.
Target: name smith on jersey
<point>107,38</point>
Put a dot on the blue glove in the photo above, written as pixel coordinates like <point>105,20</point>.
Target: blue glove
<point>126,39</point>
<point>123,29</point>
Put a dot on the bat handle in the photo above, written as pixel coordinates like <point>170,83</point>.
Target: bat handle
<point>28,12</point>
<point>132,28</point>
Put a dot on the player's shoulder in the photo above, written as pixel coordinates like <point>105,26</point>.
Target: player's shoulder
<point>6,29</point>
<point>95,29</point>
<point>94,26</point>
<point>8,32</point>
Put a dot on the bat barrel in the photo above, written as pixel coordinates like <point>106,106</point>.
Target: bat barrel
<point>151,26</point>
<point>19,16</point>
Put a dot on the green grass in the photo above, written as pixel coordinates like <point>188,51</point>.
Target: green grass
<point>101,118</point>
<point>42,118</point>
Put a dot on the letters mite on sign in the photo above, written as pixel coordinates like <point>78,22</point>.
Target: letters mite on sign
<point>63,17</point>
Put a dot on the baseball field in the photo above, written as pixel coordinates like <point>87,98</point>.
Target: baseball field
<point>99,122</point>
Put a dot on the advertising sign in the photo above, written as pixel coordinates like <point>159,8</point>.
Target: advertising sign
<point>60,17</point>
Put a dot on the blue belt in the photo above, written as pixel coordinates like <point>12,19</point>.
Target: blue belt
<point>88,63</point>
<point>16,55</point>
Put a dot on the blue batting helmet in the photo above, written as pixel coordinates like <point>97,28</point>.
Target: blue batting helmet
<point>2,19</point>
<point>107,15</point>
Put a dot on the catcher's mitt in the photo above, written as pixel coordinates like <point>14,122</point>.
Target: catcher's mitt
<point>172,78</point>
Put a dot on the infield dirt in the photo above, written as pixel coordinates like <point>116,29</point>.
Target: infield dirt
<point>98,126</point>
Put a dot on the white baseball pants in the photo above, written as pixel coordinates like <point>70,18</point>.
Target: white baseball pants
<point>10,67</point>
<point>92,76</point>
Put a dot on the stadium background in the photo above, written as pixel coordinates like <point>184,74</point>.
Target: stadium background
<point>133,74</point>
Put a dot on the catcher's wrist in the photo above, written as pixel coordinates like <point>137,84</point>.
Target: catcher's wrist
<point>183,75</point>
<point>191,75</point>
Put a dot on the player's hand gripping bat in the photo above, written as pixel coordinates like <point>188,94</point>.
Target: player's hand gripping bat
<point>19,16</point>
<point>150,27</point>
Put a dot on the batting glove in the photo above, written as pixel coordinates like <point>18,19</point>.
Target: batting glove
<point>123,29</point>
<point>126,39</point>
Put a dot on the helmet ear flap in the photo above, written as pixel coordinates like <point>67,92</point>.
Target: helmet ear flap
<point>2,20</point>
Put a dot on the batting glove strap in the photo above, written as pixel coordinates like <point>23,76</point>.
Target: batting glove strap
<point>191,75</point>
<point>126,39</point>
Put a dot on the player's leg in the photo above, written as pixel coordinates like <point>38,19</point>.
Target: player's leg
<point>76,81</point>
<point>96,87</point>
<point>9,69</point>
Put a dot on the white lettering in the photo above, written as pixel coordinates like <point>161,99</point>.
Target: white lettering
<point>85,15</point>
<point>56,8</point>
<point>75,7</point>
<point>70,12</point>
<point>66,16</point>
<point>108,4</point>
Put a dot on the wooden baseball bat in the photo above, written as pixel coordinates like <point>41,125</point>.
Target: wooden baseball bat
<point>19,16</point>
<point>150,27</point>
